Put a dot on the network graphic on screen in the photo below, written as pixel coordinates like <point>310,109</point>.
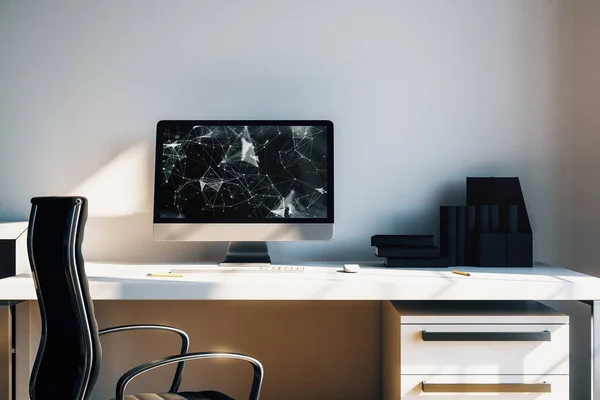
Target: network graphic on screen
<point>243,173</point>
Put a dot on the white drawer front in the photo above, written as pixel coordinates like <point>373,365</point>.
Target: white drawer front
<point>488,349</point>
<point>553,387</point>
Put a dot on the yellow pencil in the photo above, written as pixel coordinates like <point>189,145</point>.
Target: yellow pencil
<point>168,275</point>
<point>461,273</point>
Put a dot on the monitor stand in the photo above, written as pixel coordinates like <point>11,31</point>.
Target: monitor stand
<point>247,254</point>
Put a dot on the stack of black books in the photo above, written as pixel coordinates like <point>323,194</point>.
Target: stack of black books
<point>491,230</point>
<point>408,251</point>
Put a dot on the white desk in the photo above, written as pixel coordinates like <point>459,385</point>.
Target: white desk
<point>324,281</point>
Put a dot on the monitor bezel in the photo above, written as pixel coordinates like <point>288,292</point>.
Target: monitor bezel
<point>330,175</point>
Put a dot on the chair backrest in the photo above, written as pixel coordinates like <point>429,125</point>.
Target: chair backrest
<point>69,356</point>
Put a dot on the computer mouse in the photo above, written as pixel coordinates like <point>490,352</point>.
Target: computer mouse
<point>351,268</point>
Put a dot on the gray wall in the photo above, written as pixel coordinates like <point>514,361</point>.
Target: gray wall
<point>423,93</point>
<point>585,185</point>
<point>587,136</point>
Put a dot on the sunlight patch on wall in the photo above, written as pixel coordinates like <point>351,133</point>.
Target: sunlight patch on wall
<point>123,186</point>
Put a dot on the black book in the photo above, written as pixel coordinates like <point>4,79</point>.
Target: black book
<point>402,240</point>
<point>461,232</point>
<point>416,262</point>
<point>495,218</point>
<point>471,248</point>
<point>448,233</point>
<point>408,252</point>
<point>519,250</point>
<point>492,250</point>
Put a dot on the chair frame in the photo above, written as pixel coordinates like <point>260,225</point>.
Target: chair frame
<point>85,389</point>
<point>184,356</point>
<point>134,372</point>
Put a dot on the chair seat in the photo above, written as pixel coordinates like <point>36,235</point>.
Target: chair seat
<point>204,395</point>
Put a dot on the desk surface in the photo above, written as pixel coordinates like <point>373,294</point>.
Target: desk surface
<point>324,281</point>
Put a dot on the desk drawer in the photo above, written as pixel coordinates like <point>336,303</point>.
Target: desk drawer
<point>484,349</point>
<point>484,387</point>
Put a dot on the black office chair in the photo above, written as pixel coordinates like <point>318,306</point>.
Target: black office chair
<point>69,356</point>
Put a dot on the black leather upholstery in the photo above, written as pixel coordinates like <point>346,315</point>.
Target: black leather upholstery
<point>69,341</point>
<point>69,356</point>
<point>208,395</point>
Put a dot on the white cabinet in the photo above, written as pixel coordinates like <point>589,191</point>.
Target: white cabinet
<point>470,350</point>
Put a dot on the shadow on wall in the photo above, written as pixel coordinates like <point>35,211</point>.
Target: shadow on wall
<point>120,220</point>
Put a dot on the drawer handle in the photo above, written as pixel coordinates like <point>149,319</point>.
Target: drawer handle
<point>543,336</point>
<point>485,387</point>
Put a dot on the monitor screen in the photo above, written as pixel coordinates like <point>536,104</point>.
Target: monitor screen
<point>244,171</point>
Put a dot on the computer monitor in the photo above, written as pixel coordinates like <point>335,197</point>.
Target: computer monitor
<point>244,182</point>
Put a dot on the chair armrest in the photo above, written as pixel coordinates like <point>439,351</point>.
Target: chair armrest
<point>134,372</point>
<point>185,345</point>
